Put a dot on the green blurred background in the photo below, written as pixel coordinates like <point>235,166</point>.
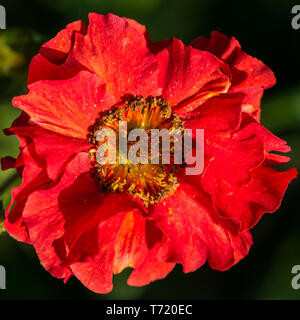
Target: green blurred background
<point>264,29</point>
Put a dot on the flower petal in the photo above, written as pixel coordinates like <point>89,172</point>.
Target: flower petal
<point>55,149</point>
<point>117,52</point>
<point>34,178</point>
<point>48,64</point>
<point>250,127</point>
<point>189,74</point>
<point>43,69</point>
<point>249,75</point>
<point>194,234</point>
<point>220,45</point>
<point>122,243</point>
<point>75,225</point>
<point>45,223</point>
<point>67,107</point>
<point>152,268</point>
<point>241,193</point>
<point>221,113</point>
<point>262,194</point>
<point>57,49</point>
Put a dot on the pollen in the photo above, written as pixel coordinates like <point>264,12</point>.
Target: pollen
<point>149,182</point>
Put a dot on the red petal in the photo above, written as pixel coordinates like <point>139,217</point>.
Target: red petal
<point>247,71</point>
<point>54,148</point>
<point>8,163</point>
<point>250,72</point>
<point>122,243</point>
<point>139,27</point>
<point>249,75</point>
<point>150,269</point>
<point>276,159</point>
<point>160,45</point>
<point>194,234</point>
<point>45,222</point>
<point>222,113</point>
<point>233,159</point>
<point>31,168</point>
<point>67,107</point>
<point>250,127</point>
<point>93,207</point>
<point>117,52</point>
<point>220,45</point>
<point>34,178</point>
<point>229,167</point>
<point>43,69</point>
<point>189,74</point>
<point>48,64</point>
<point>267,188</point>
<point>246,202</point>
<point>75,224</point>
<point>57,49</point>
<point>241,244</point>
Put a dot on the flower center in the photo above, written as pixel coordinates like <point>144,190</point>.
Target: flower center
<point>149,180</point>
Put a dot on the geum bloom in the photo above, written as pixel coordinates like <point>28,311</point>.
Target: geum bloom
<point>92,221</point>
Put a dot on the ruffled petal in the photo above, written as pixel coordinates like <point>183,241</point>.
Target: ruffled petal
<point>194,234</point>
<point>32,169</point>
<point>151,268</point>
<point>220,45</point>
<point>249,75</point>
<point>53,148</point>
<point>48,64</point>
<point>117,52</point>
<point>75,226</point>
<point>67,107</point>
<point>218,114</point>
<point>122,243</point>
<point>57,49</point>
<point>247,203</point>
<point>34,178</point>
<point>189,76</point>
<point>45,223</point>
<point>43,69</point>
<point>250,127</point>
<point>240,192</point>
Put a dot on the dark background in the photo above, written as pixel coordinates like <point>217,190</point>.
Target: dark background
<point>264,29</point>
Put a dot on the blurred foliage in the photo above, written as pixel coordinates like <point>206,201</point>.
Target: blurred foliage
<point>10,60</point>
<point>264,29</point>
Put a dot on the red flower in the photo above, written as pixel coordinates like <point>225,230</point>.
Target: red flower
<point>69,211</point>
